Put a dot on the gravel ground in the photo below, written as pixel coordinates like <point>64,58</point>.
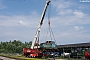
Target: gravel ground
<point>5,58</point>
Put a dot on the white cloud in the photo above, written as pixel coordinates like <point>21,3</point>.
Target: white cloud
<point>60,4</point>
<point>77,28</point>
<point>14,27</point>
<point>34,13</point>
<point>23,23</point>
<point>69,21</point>
<point>63,12</point>
<point>82,6</point>
<point>20,27</point>
<point>2,6</point>
<point>71,36</point>
<point>79,14</point>
<point>19,20</point>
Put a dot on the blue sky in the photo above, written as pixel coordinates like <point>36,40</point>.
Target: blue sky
<point>70,20</point>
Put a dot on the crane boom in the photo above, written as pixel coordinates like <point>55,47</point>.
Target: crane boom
<point>40,24</point>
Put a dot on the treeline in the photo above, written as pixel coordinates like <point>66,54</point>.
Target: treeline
<point>15,46</point>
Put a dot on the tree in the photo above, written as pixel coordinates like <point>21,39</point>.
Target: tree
<point>15,46</point>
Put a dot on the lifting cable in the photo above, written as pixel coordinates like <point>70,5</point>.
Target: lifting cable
<point>49,14</point>
<point>50,29</point>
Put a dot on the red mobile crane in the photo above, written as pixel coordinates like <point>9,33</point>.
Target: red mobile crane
<point>34,51</point>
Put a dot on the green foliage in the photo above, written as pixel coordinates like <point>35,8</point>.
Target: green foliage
<point>15,46</point>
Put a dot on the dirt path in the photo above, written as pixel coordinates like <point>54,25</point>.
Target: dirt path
<point>5,58</point>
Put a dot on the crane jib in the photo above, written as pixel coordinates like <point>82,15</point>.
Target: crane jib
<point>39,26</point>
<point>41,22</point>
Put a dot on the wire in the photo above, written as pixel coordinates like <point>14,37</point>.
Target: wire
<point>49,12</point>
<point>49,29</point>
<point>53,35</point>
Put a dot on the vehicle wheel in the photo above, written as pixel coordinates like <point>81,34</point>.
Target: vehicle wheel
<point>28,56</point>
<point>31,56</point>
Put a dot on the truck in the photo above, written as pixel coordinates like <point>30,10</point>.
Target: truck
<point>28,52</point>
<point>34,51</point>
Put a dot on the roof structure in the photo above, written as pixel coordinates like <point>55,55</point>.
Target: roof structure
<point>74,45</point>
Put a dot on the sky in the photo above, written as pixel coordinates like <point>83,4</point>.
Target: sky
<point>70,20</point>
